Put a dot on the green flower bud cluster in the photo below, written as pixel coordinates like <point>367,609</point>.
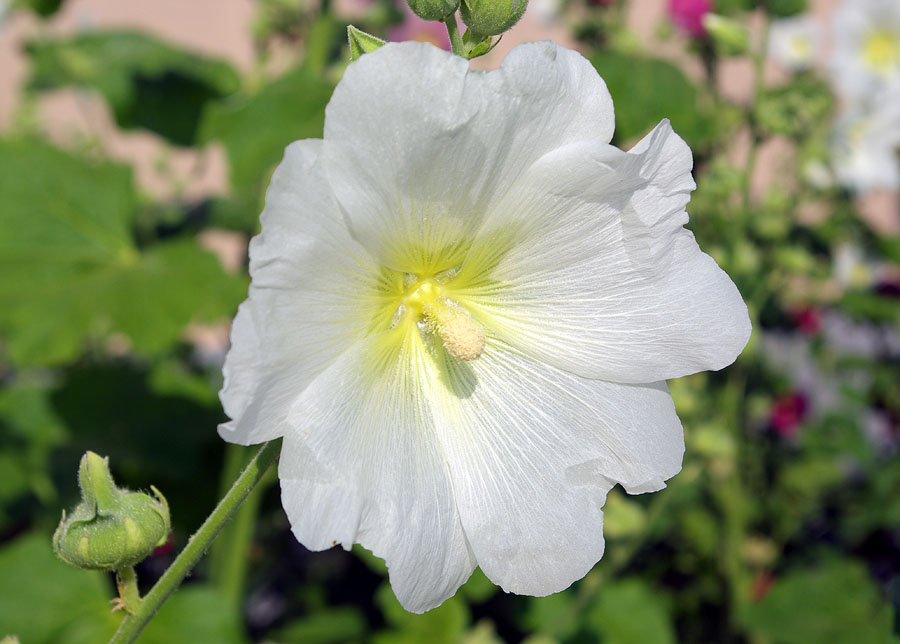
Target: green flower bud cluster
<point>111,528</point>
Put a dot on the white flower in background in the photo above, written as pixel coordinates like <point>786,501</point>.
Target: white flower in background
<point>852,268</point>
<point>794,42</point>
<point>464,306</point>
<point>866,56</point>
<point>865,146</point>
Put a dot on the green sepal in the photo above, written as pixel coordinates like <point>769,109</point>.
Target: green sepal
<point>477,45</point>
<point>361,42</point>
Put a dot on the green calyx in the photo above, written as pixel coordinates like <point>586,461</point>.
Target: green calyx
<point>112,527</point>
<point>491,17</point>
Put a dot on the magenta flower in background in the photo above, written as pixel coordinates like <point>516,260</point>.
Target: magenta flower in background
<point>788,413</point>
<point>688,15</point>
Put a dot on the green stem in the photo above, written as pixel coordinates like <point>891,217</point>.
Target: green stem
<point>228,555</point>
<point>456,43</point>
<point>759,60</point>
<point>133,624</point>
<point>126,581</point>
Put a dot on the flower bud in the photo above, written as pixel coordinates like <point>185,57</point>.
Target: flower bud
<point>730,36</point>
<point>111,528</point>
<point>433,9</point>
<point>491,17</point>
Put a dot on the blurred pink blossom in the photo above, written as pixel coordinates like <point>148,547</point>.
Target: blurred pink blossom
<point>688,15</point>
<point>808,320</point>
<point>787,414</point>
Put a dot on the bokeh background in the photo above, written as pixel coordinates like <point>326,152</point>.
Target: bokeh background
<point>136,141</point>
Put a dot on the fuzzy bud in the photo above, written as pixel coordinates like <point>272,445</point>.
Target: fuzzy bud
<point>111,528</point>
<point>433,9</point>
<point>491,17</point>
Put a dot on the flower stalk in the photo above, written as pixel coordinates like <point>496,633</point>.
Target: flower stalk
<point>146,608</point>
<point>456,42</point>
<point>129,597</point>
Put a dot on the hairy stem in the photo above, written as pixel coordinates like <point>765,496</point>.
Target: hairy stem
<point>456,43</point>
<point>133,624</point>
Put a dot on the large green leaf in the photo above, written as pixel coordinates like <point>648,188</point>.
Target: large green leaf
<point>41,597</point>
<point>647,90</point>
<point>329,626</point>
<point>836,602</point>
<point>148,83</point>
<point>44,601</point>
<point>630,612</point>
<point>70,269</point>
<point>255,129</point>
<point>29,431</point>
<point>442,625</point>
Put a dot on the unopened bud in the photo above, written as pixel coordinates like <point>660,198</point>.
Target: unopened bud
<point>491,17</point>
<point>731,37</point>
<point>433,9</point>
<point>111,528</point>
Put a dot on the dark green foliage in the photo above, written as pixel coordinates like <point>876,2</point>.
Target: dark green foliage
<point>147,83</point>
<point>67,252</point>
<point>255,129</point>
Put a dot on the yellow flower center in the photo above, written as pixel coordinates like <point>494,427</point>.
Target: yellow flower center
<point>425,303</point>
<point>801,47</point>
<point>881,51</point>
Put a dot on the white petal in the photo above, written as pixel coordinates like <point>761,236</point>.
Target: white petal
<point>533,450</point>
<point>362,464</point>
<point>304,304</point>
<point>418,148</point>
<point>594,273</point>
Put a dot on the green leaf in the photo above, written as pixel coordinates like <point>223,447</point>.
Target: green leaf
<point>795,109</point>
<point>630,612</point>
<point>195,614</point>
<point>785,8</point>
<point>44,601</point>
<point>70,269</point>
<point>256,129</point>
<point>890,248</point>
<point>478,588</point>
<point>647,90</point>
<point>836,602</point>
<point>29,432</point>
<point>148,83</point>
<point>870,306</point>
<point>442,625</point>
<point>329,626</point>
<point>43,8</point>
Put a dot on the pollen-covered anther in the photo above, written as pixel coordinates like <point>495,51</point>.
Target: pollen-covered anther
<point>462,337</point>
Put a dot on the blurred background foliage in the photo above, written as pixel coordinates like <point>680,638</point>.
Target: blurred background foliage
<point>784,525</point>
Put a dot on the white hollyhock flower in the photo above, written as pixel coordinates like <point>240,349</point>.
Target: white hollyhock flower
<point>866,57</point>
<point>464,304</point>
<point>794,42</point>
<point>865,146</point>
